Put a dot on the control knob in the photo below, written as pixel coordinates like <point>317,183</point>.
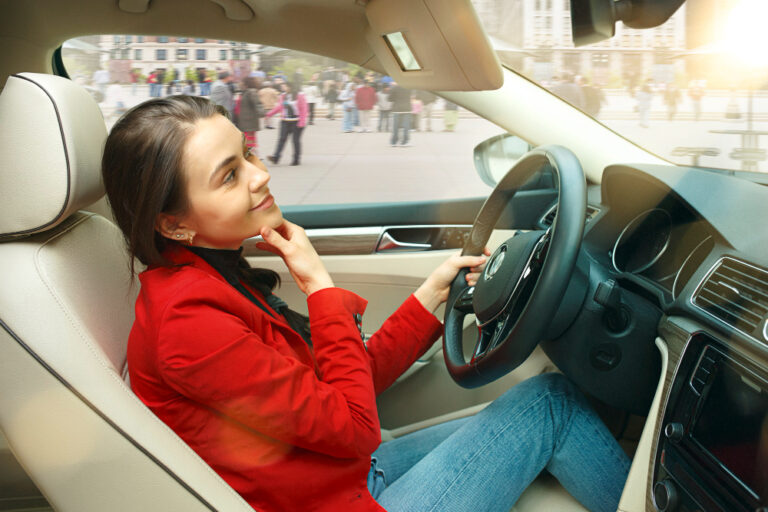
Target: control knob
<point>674,431</point>
<point>665,495</point>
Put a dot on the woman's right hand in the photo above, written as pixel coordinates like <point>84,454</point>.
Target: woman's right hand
<point>290,242</point>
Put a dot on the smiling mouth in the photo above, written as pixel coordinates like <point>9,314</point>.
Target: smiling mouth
<point>266,203</point>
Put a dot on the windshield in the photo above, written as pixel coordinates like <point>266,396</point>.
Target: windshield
<point>692,90</point>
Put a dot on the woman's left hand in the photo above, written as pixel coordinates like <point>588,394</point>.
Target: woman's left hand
<point>435,289</point>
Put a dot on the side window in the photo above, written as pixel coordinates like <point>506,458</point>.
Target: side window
<point>345,115</point>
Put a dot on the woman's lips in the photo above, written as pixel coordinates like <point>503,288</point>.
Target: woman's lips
<point>266,203</point>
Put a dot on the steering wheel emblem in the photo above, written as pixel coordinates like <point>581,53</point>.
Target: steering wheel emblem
<point>495,264</point>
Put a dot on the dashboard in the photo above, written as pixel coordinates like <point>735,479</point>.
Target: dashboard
<point>686,252</point>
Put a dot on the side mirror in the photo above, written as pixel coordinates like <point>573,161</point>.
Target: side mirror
<point>495,156</point>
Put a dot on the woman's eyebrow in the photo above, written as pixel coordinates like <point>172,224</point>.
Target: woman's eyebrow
<point>226,161</point>
<point>221,166</point>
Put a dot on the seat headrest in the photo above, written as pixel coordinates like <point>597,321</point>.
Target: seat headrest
<point>52,136</point>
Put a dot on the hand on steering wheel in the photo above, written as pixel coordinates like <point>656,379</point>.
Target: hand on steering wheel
<point>525,278</point>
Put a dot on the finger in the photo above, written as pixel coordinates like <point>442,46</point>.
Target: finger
<point>289,230</point>
<point>274,238</point>
<point>470,261</point>
<point>472,279</point>
<point>267,247</point>
<point>487,251</point>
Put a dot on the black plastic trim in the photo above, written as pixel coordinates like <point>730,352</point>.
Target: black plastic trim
<point>104,417</point>
<point>57,64</point>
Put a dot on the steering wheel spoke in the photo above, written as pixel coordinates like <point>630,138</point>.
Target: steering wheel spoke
<point>491,335</point>
<point>484,339</point>
<point>464,303</point>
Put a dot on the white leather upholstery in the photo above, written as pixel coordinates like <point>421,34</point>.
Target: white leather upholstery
<point>51,138</point>
<point>66,308</point>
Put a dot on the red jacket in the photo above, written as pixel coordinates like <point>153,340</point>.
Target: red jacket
<point>288,427</point>
<point>365,97</point>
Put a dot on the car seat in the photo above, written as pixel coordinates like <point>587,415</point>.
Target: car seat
<point>66,308</point>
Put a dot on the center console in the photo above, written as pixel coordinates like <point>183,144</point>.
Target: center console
<point>712,451</point>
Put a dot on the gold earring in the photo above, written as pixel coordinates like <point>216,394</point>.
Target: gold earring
<point>191,238</point>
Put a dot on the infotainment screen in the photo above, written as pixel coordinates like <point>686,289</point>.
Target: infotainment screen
<point>733,425</point>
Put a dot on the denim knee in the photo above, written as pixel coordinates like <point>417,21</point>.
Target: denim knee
<point>548,383</point>
<point>555,382</point>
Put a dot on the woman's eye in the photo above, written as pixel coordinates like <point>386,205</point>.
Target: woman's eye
<point>230,176</point>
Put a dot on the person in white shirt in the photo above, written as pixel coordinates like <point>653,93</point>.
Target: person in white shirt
<point>115,98</point>
<point>101,79</point>
<point>312,93</point>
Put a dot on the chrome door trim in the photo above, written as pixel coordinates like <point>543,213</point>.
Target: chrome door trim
<point>357,240</point>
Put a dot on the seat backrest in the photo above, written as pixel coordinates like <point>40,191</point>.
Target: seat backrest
<point>66,308</point>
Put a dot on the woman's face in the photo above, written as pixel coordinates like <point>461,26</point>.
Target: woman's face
<point>227,195</point>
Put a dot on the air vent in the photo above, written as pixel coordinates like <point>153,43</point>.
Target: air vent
<point>736,293</point>
<point>549,218</point>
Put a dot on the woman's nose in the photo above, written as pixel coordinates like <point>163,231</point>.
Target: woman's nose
<point>259,178</point>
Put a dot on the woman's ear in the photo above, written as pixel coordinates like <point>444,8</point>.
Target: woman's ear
<point>169,226</point>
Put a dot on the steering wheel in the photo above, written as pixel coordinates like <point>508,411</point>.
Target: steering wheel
<point>524,280</point>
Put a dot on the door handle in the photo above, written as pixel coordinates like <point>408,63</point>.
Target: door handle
<point>389,244</point>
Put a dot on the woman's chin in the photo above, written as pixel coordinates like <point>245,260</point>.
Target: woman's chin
<point>276,219</point>
<point>274,222</point>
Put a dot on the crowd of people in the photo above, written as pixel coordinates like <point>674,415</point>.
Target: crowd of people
<point>364,102</point>
<point>579,92</point>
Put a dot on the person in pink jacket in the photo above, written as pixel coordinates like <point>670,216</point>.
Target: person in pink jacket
<point>293,110</point>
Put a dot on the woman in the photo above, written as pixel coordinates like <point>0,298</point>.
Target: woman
<point>293,111</point>
<point>284,409</point>
<point>347,100</point>
<point>269,98</point>
<point>312,93</point>
<point>250,113</point>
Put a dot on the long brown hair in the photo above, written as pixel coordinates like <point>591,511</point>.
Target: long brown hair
<point>143,177</point>
<point>142,168</point>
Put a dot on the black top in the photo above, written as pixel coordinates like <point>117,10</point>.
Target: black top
<point>227,263</point>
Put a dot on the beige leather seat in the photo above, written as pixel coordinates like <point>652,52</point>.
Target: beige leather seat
<point>66,307</point>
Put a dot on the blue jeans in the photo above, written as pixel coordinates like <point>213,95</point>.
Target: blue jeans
<point>401,121</point>
<point>346,122</point>
<point>383,120</point>
<point>483,463</point>
<point>293,130</point>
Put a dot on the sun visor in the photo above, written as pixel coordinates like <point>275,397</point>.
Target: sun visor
<point>432,44</point>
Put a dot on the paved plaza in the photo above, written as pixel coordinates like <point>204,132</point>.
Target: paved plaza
<point>339,167</point>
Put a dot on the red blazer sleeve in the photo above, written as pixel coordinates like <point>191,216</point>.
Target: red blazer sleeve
<point>211,356</point>
<point>403,337</point>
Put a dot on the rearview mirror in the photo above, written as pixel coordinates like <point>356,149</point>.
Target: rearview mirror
<point>595,20</point>
<point>495,156</point>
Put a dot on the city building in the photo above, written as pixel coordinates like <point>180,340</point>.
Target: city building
<point>541,29</point>
<point>121,53</point>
